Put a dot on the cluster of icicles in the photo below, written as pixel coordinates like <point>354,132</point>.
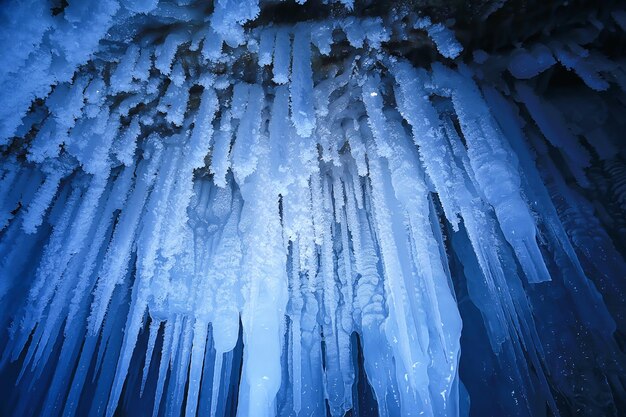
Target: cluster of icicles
<point>293,212</point>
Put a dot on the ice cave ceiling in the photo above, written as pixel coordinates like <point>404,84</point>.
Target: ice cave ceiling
<point>312,208</point>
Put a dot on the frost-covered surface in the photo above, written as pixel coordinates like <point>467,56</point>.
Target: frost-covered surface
<point>206,213</point>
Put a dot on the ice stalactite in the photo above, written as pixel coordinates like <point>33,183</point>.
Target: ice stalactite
<point>252,208</point>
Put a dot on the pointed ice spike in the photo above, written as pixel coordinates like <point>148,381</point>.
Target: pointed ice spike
<point>118,254</point>
<point>155,325</point>
<point>45,194</point>
<point>197,356</point>
<point>495,171</point>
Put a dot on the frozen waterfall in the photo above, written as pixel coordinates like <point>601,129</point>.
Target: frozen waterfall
<point>262,208</point>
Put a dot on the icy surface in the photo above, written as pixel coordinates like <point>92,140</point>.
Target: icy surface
<point>206,213</point>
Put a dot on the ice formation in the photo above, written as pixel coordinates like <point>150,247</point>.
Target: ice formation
<point>218,208</point>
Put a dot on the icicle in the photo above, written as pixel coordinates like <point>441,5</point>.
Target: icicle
<point>282,53</point>
<point>354,32</point>
<point>118,254</point>
<point>197,356</point>
<point>212,46</point>
<point>220,160</point>
<point>155,325</point>
<point>556,132</point>
<point>202,135</point>
<point>278,132</point>
<point>447,45</point>
<point>266,46</point>
<point>122,77</point>
<point>419,112</point>
<point>125,149</point>
<point>45,194</point>
<point>245,148</point>
<point>149,236</point>
<point>322,37</point>
<point>132,328</point>
<point>174,104</point>
<point>265,293</point>
<point>217,373</point>
<point>376,119</point>
<point>142,68</point>
<point>409,340</point>
<point>495,173</point>
<point>295,314</point>
<point>301,87</point>
<point>114,202</point>
<point>506,117</point>
<point>171,327</point>
<point>164,53</point>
